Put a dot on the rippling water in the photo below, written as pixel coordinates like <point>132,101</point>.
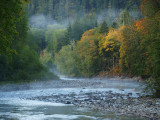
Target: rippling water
<point>14,105</point>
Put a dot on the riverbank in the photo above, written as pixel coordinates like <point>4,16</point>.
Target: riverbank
<point>123,103</point>
<point>112,74</point>
<point>118,95</point>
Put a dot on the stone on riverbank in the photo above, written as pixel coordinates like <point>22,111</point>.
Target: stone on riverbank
<point>107,101</point>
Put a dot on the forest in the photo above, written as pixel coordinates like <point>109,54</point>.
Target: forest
<point>80,38</point>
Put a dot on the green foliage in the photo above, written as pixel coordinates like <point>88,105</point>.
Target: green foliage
<point>152,39</point>
<point>125,19</point>
<point>149,7</point>
<point>56,36</point>
<point>36,39</point>
<point>114,25</point>
<point>4,67</point>
<point>80,59</point>
<point>10,13</point>
<point>78,27</point>
<point>68,35</point>
<point>24,65</point>
<point>131,60</point>
<point>55,39</point>
<point>132,48</point>
<point>88,53</point>
<point>61,10</point>
<point>104,28</point>
<point>66,60</point>
<point>46,58</point>
<point>140,48</point>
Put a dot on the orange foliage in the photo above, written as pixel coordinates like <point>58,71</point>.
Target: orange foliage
<point>141,25</point>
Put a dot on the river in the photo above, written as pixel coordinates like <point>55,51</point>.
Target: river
<point>16,105</point>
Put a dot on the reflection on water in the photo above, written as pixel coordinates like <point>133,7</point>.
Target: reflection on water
<point>35,110</point>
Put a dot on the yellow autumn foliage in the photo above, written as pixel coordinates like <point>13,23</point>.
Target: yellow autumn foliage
<point>87,44</point>
<point>114,37</point>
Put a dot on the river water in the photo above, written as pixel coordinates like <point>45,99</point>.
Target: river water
<point>15,105</point>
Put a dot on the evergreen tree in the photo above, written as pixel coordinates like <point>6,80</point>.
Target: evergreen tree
<point>10,13</point>
<point>125,18</point>
<point>104,28</point>
<point>24,65</point>
<point>61,10</point>
<point>68,35</point>
<point>114,25</point>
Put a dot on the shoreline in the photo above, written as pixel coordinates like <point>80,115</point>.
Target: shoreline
<point>121,77</point>
<point>129,102</point>
<point>140,107</point>
<point>147,108</point>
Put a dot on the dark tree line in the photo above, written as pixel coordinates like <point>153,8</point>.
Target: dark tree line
<point>61,10</point>
<point>19,61</point>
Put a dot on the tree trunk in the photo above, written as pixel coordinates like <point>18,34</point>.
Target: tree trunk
<point>113,60</point>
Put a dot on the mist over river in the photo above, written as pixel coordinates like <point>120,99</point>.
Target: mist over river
<point>101,42</point>
<point>47,100</point>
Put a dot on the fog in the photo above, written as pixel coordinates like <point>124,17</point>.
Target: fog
<point>108,15</point>
<point>39,21</point>
<point>42,21</point>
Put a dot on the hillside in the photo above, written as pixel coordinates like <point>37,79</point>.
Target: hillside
<point>64,11</point>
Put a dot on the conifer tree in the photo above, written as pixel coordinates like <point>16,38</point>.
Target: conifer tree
<point>104,28</point>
